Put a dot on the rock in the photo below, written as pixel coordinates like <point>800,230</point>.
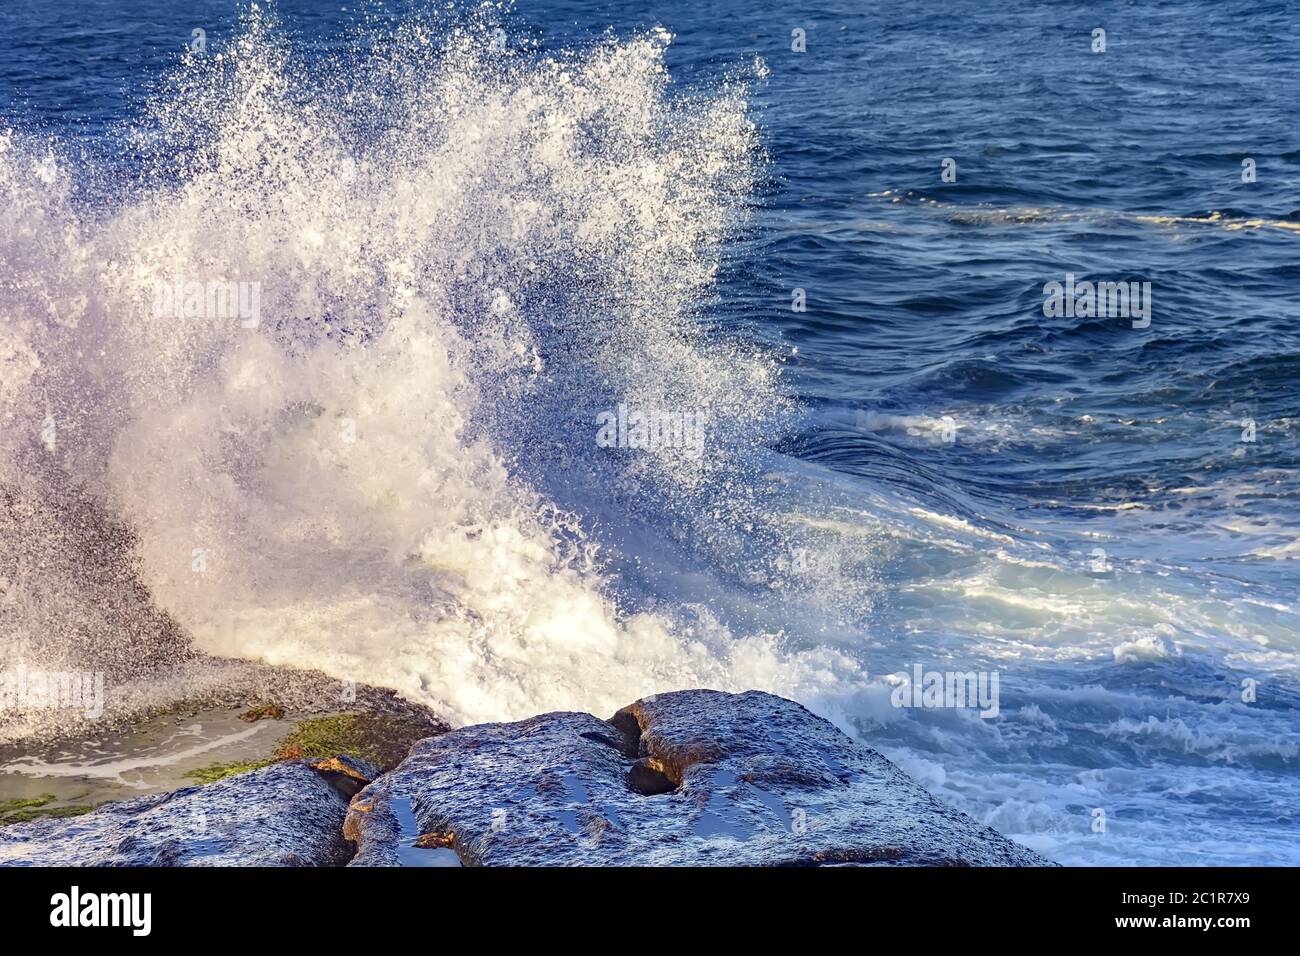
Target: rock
<point>287,814</point>
<point>688,778</point>
<point>263,712</point>
<point>381,739</point>
<point>347,775</point>
<point>203,683</point>
<point>186,745</point>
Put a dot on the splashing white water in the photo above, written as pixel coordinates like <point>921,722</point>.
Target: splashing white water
<point>461,254</point>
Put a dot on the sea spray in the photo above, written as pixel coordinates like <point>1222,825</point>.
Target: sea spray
<point>460,251</point>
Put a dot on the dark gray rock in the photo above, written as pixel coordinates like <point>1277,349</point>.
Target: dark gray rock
<point>689,778</point>
<point>287,814</point>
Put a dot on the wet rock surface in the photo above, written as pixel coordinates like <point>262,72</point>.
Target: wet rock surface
<point>287,814</point>
<point>203,683</point>
<point>688,778</point>
<point>189,744</point>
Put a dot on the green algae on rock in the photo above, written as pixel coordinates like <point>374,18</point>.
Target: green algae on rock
<point>220,771</point>
<point>381,739</point>
<point>34,808</point>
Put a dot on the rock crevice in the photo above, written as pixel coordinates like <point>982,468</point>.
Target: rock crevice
<point>687,778</point>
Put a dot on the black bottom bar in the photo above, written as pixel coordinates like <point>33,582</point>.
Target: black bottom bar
<point>944,906</point>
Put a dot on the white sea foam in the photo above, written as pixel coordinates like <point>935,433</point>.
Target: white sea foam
<point>346,485</point>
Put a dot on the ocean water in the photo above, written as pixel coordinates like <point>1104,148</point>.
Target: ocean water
<point>462,234</point>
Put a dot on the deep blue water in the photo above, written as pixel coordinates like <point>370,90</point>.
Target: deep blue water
<point>982,451</point>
